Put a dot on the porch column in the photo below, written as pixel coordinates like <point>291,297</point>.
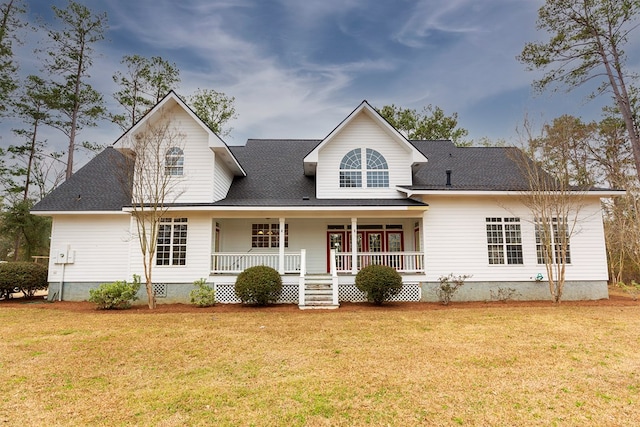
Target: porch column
<point>354,246</point>
<point>281,247</point>
<point>423,237</point>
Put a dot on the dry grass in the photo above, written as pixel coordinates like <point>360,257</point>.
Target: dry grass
<point>495,366</point>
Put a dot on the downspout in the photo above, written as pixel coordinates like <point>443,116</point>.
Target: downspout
<point>61,283</point>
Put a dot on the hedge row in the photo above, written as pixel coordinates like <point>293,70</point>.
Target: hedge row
<point>26,277</point>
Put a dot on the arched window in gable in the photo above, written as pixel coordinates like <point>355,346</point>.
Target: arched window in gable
<point>377,170</point>
<point>174,162</point>
<point>351,169</point>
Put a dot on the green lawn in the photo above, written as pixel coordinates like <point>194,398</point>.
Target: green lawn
<point>491,366</point>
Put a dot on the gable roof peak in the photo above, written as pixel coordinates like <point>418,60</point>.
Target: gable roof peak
<point>311,159</point>
<point>215,143</point>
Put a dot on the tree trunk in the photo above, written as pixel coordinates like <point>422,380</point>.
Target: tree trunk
<point>151,296</point>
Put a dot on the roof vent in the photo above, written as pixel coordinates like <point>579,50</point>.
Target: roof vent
<point>448,171</point>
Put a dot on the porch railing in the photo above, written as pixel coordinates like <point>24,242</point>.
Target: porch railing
<point>236,262</point>
<point>228,262</point>
<point>403,262</point>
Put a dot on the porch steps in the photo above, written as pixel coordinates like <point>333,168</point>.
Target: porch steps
<point>318,293</point>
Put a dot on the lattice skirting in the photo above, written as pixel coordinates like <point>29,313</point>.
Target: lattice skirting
<point>350,293</point>
<point>160,290</point>
<point>410,292</point>
<point>225,294</point>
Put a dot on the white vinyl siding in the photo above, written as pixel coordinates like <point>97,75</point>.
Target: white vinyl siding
<point>196,183</point>
<point>456,236</point>
<point>100,244</point>
<point>198,251</point>
<point>362,132</point>
<point>222,179</point>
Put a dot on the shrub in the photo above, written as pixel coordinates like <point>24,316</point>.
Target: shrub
<point>633,289</point>
<point>379,283</point>
<point>259,285</point>
<point>203,295</point>
<point>116,295</point>
<point>448,286</point>
<point>28,277</point>
<point>503,294</point>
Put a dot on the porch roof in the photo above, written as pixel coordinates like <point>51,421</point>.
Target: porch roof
<point>313,202</point>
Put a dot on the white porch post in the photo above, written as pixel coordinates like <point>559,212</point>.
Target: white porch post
<point>281,247</point>
<point>303,272</point>
<point>354,246</point>
<point>334,278</point>
<point>423,246</point>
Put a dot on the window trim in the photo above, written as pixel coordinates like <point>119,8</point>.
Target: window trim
<point>268,233</point>
<point>504,241</point>
<point>554,233</point>
<point>176,256</point>
<point>373,172</point>
<point>174,162</point>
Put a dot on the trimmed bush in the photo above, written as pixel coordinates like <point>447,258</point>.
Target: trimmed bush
<point>379,283</point>
<point>448,286</point>
<point>259,285</point>
<point>116,295</point>
<point>28,277</point>
<point>203,295</point>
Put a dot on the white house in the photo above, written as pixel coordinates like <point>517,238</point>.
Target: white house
<point>316,211</point>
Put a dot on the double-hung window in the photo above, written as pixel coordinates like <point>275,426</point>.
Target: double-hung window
<point>552,241</point>
<point>172,242</point>
<point>504,241</point>
<point>174,162</point>
<point>268,235</point>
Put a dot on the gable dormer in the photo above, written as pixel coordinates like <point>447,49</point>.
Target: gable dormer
<point>200,163</point>
<point>363,157</point>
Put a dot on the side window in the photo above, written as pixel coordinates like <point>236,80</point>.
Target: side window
<point>377,170</point>
<point>172,242</point>
<point>504,241</point>
<point>174,162</point>
<point>351,169</point>
<point>268,235</point>
<point>552,241</point>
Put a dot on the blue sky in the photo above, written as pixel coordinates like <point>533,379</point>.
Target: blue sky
<point>297,68</point>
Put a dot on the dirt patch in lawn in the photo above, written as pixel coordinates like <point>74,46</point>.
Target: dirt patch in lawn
<point>617,298</point>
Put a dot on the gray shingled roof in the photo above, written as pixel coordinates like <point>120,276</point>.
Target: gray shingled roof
<point>97,186</point>
<point>275,177</point>
<point>472,168</point>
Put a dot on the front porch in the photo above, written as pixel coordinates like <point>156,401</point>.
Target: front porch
<point>318,258</point>
<point>317,290</point>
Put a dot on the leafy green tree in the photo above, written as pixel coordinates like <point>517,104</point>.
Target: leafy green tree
<point>144,82</point>
<point>565,147</point>
<point>586,43</point>
<point>429,124</point>
<point>163,76</point>
<point>10,22</point>
<point>70,56</point>
<point>29,160</point>
<point>214,108</point>
<point>30,232</point>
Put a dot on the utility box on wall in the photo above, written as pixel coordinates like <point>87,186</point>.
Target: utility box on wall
<point>65,256</point>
